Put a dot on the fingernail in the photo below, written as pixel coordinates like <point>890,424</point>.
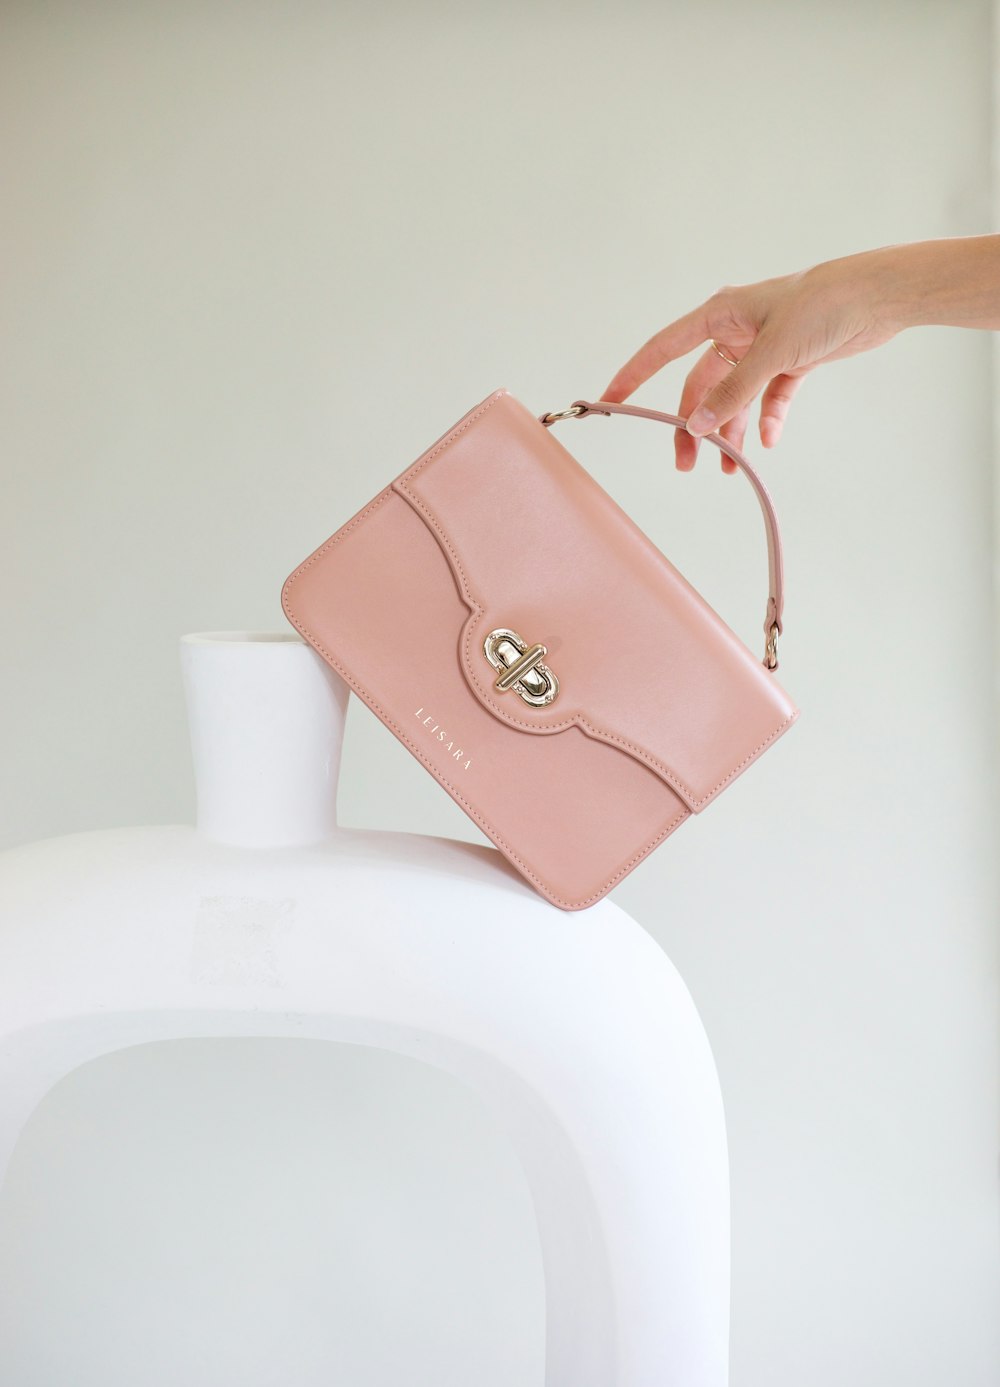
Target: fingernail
<point>702,421</point>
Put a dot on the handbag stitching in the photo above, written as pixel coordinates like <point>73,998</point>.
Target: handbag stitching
<point>476,814</point>
<point>602,733</point>
<point>417,751</point>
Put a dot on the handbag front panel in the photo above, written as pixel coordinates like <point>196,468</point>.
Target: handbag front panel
<point>380,603</point>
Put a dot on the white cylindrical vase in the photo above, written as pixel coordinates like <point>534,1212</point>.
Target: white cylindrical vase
<point>266,717</point>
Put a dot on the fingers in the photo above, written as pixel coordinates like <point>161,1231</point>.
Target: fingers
<point>734,432</point>
<point>774,407</point>
<point>676,339</point>
<point>700,379</point>
<point>717,397</point>
<point>735,391</point>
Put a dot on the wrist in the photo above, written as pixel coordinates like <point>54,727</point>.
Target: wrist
<point>885,284</point>
<point>951,282</point>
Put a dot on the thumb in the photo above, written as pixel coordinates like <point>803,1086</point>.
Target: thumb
<point>758,365</point>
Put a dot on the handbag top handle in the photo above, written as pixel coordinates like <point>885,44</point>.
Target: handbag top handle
<point>775,602</point>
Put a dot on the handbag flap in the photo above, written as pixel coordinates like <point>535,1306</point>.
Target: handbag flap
<point>538,548</point>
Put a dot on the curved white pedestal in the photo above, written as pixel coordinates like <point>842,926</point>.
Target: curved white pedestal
<point>574,1026</point>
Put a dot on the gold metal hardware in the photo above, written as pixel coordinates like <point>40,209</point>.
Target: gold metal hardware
<point>570,413</point>
<point>771,648</point>
<point>520,667</point>
<point>524,665</point>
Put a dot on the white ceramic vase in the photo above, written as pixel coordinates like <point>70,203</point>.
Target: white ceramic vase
<point>267,919</point>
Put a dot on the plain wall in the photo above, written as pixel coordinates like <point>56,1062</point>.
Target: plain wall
<point>255,260</point>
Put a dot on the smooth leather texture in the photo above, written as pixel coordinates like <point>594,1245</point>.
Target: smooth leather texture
<point>660,705</point>
<point>776,599</point>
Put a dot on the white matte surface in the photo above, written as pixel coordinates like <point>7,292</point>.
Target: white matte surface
<point>574,1026</point>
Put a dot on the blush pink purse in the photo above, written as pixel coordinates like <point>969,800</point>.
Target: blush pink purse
<point>530,645</point>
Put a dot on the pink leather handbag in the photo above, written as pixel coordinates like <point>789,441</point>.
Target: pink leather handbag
<point>518,632</point>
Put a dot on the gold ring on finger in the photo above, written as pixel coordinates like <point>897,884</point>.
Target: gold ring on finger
<point>723,353</point>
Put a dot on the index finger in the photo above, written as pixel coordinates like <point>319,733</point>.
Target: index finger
<point>676,339</point>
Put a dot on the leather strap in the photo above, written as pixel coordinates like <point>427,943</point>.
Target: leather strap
<point>579,409</point>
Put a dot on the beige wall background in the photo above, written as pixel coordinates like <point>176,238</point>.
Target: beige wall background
<point>256,258</point>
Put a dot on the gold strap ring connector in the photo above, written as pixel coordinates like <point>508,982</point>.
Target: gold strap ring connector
<point>571,413</point>
<point>771,648</point>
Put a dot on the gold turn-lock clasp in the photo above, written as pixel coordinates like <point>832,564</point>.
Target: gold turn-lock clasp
<point>521,668</point>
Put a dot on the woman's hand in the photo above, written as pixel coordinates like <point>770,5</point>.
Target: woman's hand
<point>778,330</point>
